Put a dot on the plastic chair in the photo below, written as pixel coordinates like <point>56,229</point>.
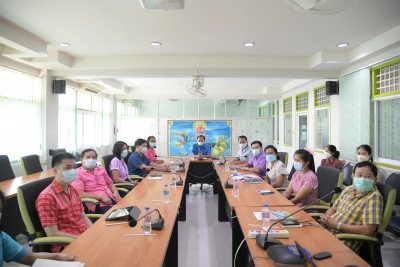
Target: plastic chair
<point>6,171</point>
<point>372,244</point>
<point>393,180</point>
<point>283,156</point>
<point>31,164</point>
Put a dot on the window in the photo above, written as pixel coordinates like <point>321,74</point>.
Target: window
<point>20,116</point>
<point>386,93</point>
<point>275,121</point>
<point>287,121</point>
<point>322,119</point>
<point>106,122</point>
<point>67,120</point>
<point>302,102</point>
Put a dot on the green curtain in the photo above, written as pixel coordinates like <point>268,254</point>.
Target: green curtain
<point>354,127</point>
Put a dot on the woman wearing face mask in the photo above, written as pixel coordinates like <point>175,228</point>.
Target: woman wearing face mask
<point>151,152</point>
<point>277,174</point>
<point>257,162</point>
<point>304,183</point>
<point>331,158</point>
<point>358,209</point>
<point>364,153</point>
<point>139,164</point>
<point>118,168</point>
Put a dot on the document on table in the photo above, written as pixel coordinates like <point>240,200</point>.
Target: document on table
<point>52,263</point>
<point>275,215</point>
<point>154,178</point>
<point>241,176</point>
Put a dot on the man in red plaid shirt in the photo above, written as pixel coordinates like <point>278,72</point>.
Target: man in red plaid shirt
<point>59,205</point>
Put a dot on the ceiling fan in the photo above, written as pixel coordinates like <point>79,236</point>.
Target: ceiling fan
<point>196,87</point>
<point>320,6</point>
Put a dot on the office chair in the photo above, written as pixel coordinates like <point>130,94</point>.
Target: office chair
<point>394,223</point>
<point>53,152</point>
<point>282,189</point>
<point>6,171</point>
<point>31,164</point>
<point>27,195</point>
<point>284,157</point>
<point>328,179</point>
<point>371,249</point>
<point>347,174</point>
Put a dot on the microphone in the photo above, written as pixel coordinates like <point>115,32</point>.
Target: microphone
<point>265,242</point>
<point>180,182</point>
<point>227,184</point>
<point>156,224</point>
<point>222,161</point>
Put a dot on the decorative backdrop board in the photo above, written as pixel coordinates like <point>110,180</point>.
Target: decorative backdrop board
<point>183,134</point>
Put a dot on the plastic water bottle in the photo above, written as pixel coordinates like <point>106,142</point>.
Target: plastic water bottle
<point>176,165</point>
<point>147,222</point>
<point>227,166</point>
<point>191,156</point>
<point>265,216</point>
<point>235,191</point>
<point>166,194</point>
<point>173,177</point>
<point>235,172</point>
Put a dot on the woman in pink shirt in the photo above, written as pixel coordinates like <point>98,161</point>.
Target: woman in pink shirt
<point>151,152</point>
<point>304,183</point>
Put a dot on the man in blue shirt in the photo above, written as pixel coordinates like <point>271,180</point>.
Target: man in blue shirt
<point>201,149</point>
<point>139,164</point>
<point>12,251</point>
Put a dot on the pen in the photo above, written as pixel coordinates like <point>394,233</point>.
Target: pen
<point>115,223</point>
<point>137,234</point>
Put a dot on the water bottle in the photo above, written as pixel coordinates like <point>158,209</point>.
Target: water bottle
<point>235,191</point>
<point>176,165</point>
<point>166,194</point>
<point>147,222</point>
<point>235,172</point>
<point>173,177</point>
<point>265,215</point>
<point>191,156</point>
<point>227,166</point>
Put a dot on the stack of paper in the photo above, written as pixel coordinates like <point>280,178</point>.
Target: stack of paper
<point>52,263</point>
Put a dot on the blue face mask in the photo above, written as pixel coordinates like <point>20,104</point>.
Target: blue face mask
<point>153,144</point>
<point>70,176</point>
<point>298,166</point>
<point>363,184</point>
<point>144,150</point>
<point>90,163</point>
<point>256,152</point>
<point>270,158</point>
<point>124,153</point>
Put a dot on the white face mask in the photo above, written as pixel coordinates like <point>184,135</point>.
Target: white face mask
<point>200,143</point>
<point>327,154</point>
<point>90,163</point>
<point>124,153</point>
<point>242,146</point>
<point>256,152</point>
<point>70,176</point>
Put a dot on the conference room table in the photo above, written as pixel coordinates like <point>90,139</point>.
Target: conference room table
<point>312,236</point>
<point>103,245</point>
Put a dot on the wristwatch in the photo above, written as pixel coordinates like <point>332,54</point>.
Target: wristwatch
<point>338,226</point>
<point>247,168</point>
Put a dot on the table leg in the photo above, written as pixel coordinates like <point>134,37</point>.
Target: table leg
<point>222,215</point>
<point>237,238</point>
<point>171,258</point>
<point>182,208</point>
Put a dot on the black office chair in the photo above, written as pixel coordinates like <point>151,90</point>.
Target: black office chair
<point>53,152</point>
<point>347,173</point>
<point>394,224</point>
<point>292,171</point>
<point>283,156</point>
<point>6,171</point>
<point>127,158</point>
<point>31,164</point>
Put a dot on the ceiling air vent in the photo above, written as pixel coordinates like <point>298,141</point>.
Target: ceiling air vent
<point>91,90</point>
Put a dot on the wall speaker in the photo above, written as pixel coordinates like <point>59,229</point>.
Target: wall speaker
<point>332,88</point>
<point>59,87</point>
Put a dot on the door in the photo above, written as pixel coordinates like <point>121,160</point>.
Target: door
<point>302,131</point>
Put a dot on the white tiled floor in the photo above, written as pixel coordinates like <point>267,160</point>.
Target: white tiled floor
<point>203,241</point>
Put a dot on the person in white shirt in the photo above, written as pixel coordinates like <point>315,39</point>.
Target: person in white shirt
<point>244,153</point>
<point>277,174</point>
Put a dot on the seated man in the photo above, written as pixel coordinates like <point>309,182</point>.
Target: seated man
<point>94,182</point>
<point>244,154</point>
<point>258,162</point>
<point>59,205</point>
<point>200,149</point>
<point>358,209</point>
<point>139,164</point>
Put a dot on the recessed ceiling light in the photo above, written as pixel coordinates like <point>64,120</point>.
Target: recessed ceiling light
<point>249,44</point>
<point>227,84</point>
<point>342,45</point>
<point>64,44</point>
<point>155,43</point>
<point>177,84</point>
